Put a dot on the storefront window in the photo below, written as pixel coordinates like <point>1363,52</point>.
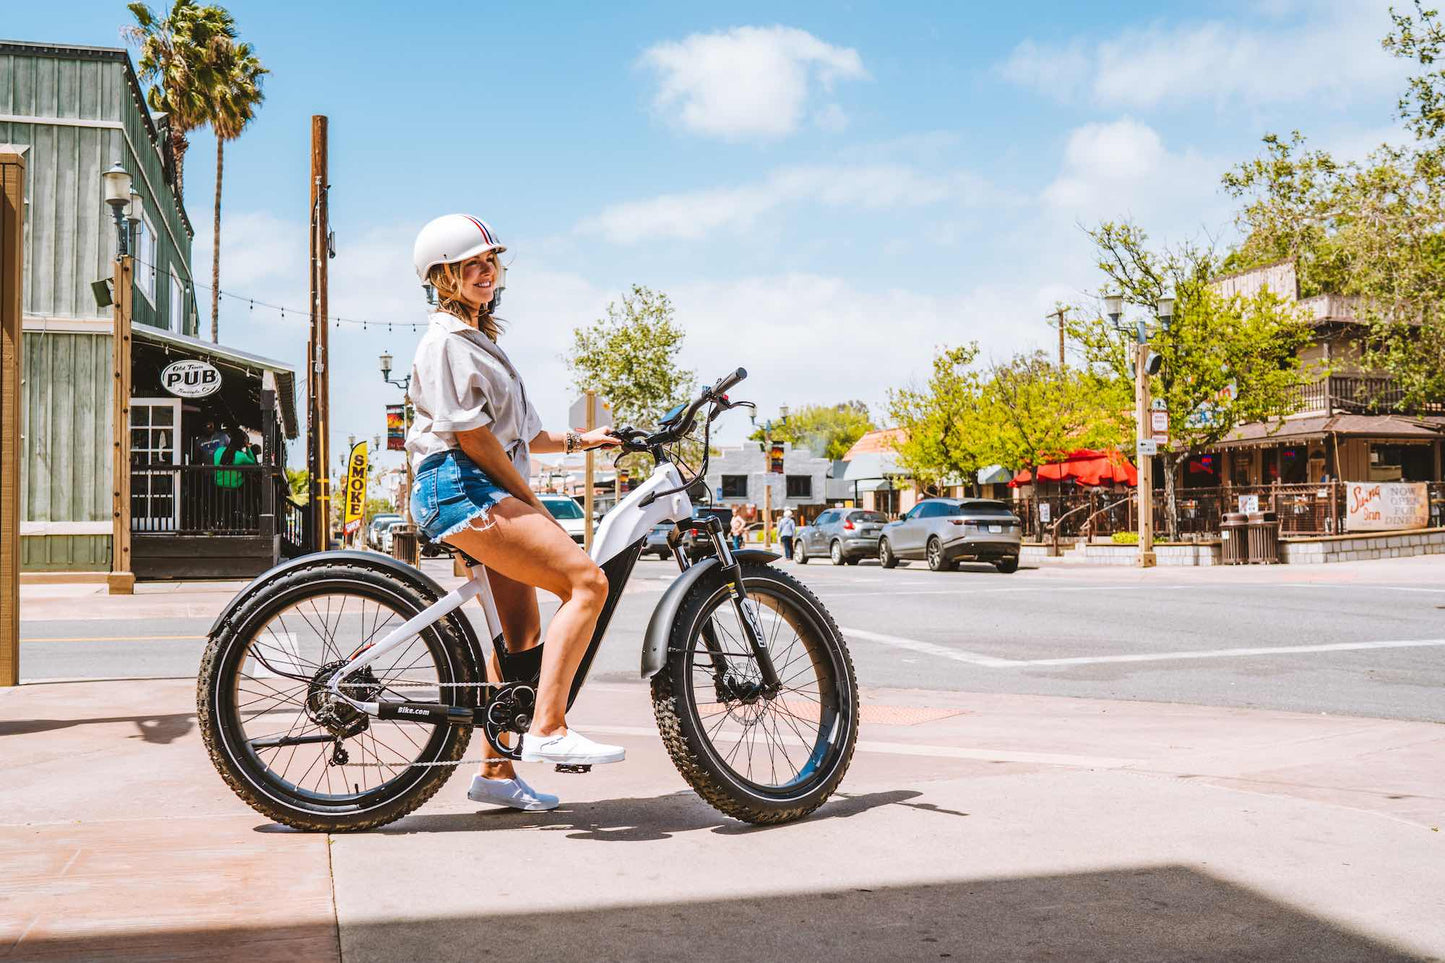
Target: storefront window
<point>1292,466</point>
<point>734,486</point>
<point>1401,463</point>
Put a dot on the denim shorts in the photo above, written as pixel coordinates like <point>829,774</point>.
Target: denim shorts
<point>450,492</point>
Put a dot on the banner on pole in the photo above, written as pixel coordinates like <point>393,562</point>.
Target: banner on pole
<point>355,488</point>
<point>396,427</point>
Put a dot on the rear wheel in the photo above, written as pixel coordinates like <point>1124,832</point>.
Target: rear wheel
<point>758,758</point>
<point>292,750</point>
<point>1007,565</point>
<point>835,553</point>
<point>937,561</point>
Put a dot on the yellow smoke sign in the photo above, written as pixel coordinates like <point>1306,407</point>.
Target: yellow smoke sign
<point>355,488</point>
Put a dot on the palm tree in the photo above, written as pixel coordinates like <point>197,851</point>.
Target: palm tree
<point>178,57</point>
<point>233,105</point>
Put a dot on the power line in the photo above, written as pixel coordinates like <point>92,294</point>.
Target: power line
<point>302,313</point>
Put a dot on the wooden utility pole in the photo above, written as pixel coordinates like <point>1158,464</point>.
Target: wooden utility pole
<point>12,253</point>
<point>589,423</point>
<point>1146,463</point>
<point>1059,317</point>
<point>317,356</point>
<point>121,580</point>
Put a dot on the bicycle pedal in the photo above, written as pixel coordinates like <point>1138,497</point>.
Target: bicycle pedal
<point>564,767</point>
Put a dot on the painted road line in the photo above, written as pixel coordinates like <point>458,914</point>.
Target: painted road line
<point>919,749</point>
<point>125,638</point>
<point>929,648</point>
<point>1237,653</point>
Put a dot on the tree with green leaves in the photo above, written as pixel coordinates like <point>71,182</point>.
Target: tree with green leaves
<point>179,57</point>
<point>233,104</point>
<point>939,420</point>
<point>1225,361</point>
<point>1374,229</point>
<point>1035,412</point>
<point>629,357</point>
<point>827,431</point>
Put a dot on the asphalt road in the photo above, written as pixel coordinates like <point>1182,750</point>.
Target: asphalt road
<point>1366,640</point>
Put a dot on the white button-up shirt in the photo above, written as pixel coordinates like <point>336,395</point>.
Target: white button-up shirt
<point>460,380</point>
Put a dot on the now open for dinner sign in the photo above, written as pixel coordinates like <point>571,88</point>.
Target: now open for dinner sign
<point>1386,506</point>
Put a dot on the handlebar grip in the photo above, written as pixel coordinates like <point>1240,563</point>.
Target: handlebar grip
<point>727,381</point>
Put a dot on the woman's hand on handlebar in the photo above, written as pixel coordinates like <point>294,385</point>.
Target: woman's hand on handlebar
<point>598,438</point>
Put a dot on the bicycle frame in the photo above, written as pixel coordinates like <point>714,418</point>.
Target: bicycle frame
<point>615,547</point>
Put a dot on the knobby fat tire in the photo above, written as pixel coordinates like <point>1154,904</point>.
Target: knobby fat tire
<point>671,694</point>
<point>222,657</point>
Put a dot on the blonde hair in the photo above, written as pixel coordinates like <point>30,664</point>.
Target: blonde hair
<point>447,279</point>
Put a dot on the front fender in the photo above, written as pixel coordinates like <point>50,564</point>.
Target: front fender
<point>659,628</point>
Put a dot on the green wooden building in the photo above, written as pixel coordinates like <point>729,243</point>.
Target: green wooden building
<point>79,110</point>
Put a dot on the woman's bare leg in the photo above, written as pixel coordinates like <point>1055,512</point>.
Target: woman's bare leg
<point>521,629</point>
<point>528,546</point>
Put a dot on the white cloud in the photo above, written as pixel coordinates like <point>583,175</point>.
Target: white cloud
<point>748,82</point>
<point>1331,50</point>
<point>691,215</point>
<point>1122,169</point>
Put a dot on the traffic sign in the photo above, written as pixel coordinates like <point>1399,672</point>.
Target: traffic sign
<point>1148,446</point>
<point>601,413</point>
<point>1159,404</point>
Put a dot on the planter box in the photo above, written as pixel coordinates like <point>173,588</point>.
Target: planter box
<point>1357,548</point>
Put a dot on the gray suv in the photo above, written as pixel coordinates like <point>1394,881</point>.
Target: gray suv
<point>844,535</point>
<point>945,531</point>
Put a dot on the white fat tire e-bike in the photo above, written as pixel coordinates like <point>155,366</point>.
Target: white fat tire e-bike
<point>339,690</point>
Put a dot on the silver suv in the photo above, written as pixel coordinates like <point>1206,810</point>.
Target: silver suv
<point>945,531</point>
<point>845,535</point>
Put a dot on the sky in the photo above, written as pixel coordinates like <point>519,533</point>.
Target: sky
<point>827,191</point>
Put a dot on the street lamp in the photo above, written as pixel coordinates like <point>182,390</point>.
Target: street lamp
<point>1113,307</point>
<point>767,427</point>
<point>133,211</point>
<point>116,184</point>
<point>1164,310</point>
<point>384,362</point>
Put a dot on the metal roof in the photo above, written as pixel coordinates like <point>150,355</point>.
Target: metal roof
<point>284,373</point>
<point>1304,429</point>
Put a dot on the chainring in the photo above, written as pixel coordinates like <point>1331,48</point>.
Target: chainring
<point>509,711</point>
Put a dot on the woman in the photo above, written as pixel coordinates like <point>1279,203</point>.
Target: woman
<point>737,528</point>
<point>469,448</point>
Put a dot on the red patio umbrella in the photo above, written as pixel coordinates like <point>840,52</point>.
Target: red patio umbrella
<point>1087,466</point>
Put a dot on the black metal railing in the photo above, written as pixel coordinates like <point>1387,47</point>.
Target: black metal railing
<point>202,499</point>
<point>290,521</point>
<point>1355,394</point>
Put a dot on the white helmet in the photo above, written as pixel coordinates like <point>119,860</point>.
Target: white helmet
<point>450,239</point>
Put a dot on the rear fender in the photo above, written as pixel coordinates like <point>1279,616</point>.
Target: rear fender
<point>654,645</point>
<point>422,583</point>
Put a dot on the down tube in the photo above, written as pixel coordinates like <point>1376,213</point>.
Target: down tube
<point>618,570</point>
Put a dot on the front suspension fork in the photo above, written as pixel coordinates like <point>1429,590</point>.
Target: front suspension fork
<point>747,611</point>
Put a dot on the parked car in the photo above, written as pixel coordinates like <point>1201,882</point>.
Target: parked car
<point>373,530</point>
<point>844,535</point>
<point>945,531</point>
<point>569,514</point>
<point>383,537</point>
<point>656,541</point>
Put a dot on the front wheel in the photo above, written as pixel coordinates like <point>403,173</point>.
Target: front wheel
<point>758,758</point>
<point>1007,565</point>
<point>800,554</point>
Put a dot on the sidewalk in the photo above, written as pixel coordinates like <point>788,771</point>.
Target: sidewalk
<point>970,827</point>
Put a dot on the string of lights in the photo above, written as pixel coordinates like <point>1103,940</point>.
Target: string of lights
<point>302,313</point>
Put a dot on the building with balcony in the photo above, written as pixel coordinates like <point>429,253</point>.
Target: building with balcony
<point>77,111</point>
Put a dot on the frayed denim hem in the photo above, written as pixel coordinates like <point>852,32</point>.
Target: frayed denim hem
<point>485,514</point>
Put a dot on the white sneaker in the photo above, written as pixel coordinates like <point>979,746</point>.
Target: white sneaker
<point>510,792</point>
<point>569,748</point>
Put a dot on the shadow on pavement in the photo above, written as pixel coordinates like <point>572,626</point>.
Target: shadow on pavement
<point>639,819</point>
<point>1160,913</point>
<point>160,729</point>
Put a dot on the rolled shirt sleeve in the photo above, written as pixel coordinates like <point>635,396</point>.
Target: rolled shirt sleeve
<point>462,390</point>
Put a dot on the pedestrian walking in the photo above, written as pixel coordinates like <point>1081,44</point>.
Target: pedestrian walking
<point>786,529</point>
<point>736,529</point>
